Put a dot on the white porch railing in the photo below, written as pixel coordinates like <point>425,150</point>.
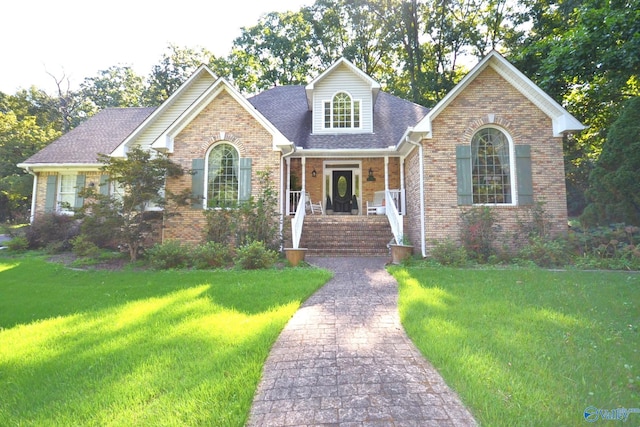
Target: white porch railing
<point>398,200</point>
<point>293,199</point>
<point>395,220</point>
<point>298,220</point>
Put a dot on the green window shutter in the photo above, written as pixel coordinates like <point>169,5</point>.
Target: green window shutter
<point>244,187</point>
<point>80,181</point>
<point>463,170</point>
<point>197,183</point>
<point>524,178</point>
<point>104,185</point>
<point>50,198</point>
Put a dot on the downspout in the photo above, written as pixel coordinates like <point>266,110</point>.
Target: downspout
<point>423,241</point>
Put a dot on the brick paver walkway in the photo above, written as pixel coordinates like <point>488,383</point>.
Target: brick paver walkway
<point>345,360</point>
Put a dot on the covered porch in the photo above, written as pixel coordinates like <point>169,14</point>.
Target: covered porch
<point>368,190</point>
<point>344,186</point>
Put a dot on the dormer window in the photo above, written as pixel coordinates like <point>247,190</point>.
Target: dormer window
<point>342,112</point>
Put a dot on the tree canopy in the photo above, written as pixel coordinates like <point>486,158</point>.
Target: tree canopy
<point>584,53</point>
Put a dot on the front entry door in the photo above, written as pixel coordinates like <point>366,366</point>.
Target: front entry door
<point>342,191</point>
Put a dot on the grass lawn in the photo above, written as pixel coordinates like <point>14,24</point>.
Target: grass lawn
<point>528,347</point>
<point>156,348</point>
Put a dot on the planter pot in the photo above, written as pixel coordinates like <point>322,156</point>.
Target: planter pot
<point>354,211</point>
<point>400,252</point>
<point>295,256</point>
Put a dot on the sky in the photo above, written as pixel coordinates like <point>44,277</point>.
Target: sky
<point>79,38</point>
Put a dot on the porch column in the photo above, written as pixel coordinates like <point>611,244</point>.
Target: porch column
<point>304,174</point>
<point>386,173</point>
<point>288,198</point>
<point>403,205</point>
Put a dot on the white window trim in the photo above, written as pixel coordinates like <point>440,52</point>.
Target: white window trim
<point>512,167</point>
<point>59,200</point>
<point>205,201</point>
<point>331,111</point>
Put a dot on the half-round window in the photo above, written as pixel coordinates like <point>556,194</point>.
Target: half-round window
<point>222,176</point>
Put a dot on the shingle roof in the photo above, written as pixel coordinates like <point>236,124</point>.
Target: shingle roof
<point>101,133</point>
<point>286,107</point>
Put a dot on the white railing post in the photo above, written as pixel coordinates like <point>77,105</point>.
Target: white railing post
<point>395,220</point>
<point>298,220</point>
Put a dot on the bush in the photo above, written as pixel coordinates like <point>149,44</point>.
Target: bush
<point>478,232</point>
<point>18,244</point>
<point>52,231</point>
<point>448,252</point>
<point>546,253</point>
<point>211,255</point>
<point>255,255</point>
<point>84,247</point>
<point>171,254</point>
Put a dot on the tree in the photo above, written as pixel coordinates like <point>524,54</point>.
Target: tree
<point>614,183</point>
<point>126,215</point>
<point>586,55</point>
<point>276,51</point>
<point>20,137</point>
<point>117,86</point>
<point>175,67</point>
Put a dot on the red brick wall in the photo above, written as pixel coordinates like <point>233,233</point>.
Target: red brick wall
<point>491,99</point>
<point>222,120</point>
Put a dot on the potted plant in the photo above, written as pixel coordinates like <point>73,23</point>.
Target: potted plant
<point>401,250</point>
<point>329,207</point>
<point>354,205</point>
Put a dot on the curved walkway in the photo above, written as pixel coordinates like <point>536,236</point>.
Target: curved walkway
<point>345,360</point>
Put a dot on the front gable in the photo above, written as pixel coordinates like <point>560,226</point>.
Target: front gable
<point>561,120</point>
<point>342,84</point>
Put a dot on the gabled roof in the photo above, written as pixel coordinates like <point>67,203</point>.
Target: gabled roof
<point>101,133</point>
<point>164,141</point>
<point>562,120</point>
<point>286,108</point>
<point>375,86</point>
<point>202,72</point>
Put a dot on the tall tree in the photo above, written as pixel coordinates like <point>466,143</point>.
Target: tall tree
<point>175,67</point>
<point>275,51</point>
<point>614,191</point>
<point>117,86</point>
<point>586,55</point>
<point>20,137</point>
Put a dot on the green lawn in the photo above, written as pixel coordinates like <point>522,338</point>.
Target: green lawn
<point>138,347</point>
<point>528,347</point>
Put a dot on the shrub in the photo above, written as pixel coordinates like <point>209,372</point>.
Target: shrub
<point>52,231</point>
<point>478,232</point>
<point>18,244</point>
<point>171,254</point>
<point>211,255</point>
<point>220,226</point>
<point>84,247</point>
<point>448,252</point>
<point>255,255</point>
<point>546,253</point>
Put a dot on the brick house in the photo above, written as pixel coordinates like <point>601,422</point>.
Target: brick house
<point>389,167</point>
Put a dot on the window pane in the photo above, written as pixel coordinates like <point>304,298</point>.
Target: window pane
<point>342,111</point>
<point>67,194</point>
<point>222,187</point>
<point>491,171</point>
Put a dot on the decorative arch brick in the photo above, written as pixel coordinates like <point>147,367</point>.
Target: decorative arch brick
<point>223,136</point>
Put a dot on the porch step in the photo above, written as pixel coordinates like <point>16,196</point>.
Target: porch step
<point>343,235</point>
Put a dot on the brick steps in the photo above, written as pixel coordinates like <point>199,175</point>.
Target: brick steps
<point>343,235</point>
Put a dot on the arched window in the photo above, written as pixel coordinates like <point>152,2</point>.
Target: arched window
<point>222,176</point>
<point>342,112</point>
<point>491,167</point>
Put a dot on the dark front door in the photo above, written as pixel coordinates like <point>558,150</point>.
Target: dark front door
<point>342,191</point>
